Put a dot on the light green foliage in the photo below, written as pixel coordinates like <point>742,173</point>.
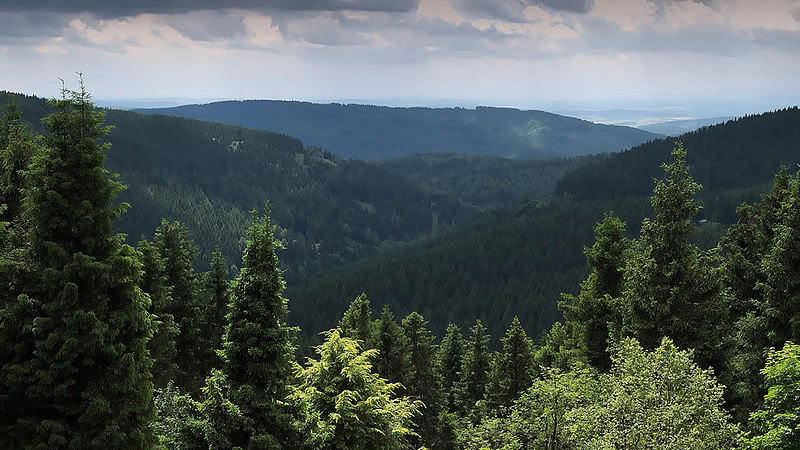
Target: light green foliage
<point>77,372</point>
<point>356,322</point>
<point>559,348</point>
<point>345,405</point>
<point>258,348</point>
<point>475,365</point>
<point>672,288</point>
<point>451,352</point>
<point>390,361</point>
<point>777,424</point>
<point>594,313</point>
<point>179,425</point>
<point>223,421</point>
<point>512,369</point>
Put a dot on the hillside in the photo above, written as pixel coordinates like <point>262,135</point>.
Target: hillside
<point>209,176</point>
<point>375,132</point>
<point>518,260</point>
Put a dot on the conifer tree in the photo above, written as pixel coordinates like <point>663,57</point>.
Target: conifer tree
<point>356,322</point>
<point>512,373</point>
<point>217,289</point>
<point>594,311</point>
<point>390,361</point>
<point>449,358</point>
<point>17,146</point>
<point>421,380</point>
<point>76,337</point>
<point>258,346</point>
<point>672,288</point>
<point>475,366</point>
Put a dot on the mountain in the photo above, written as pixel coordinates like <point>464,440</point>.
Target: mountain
<point>375,132</point>
<point>517,260</point>
<point>209,176</point>
<point>681,126</point>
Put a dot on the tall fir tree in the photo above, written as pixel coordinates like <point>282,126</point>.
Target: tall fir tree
<point>390,362</point>
<point>356,322</point>
<point>475,366</point>
<point>672,288</point>
<point>78,374</point>
<point>258,347</point>
<point>512,371</point>
<point>449,358</point>
<point>17,146</point>
<point>216,288</point>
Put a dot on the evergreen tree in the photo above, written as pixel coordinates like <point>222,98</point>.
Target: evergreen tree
<point>356,322</point>
<point>390,361</point>
<point>17,146</point>
<point>672,288</point>
<point>345,405</point>
<point>594,313</point>
<point>216,288</point>
<point>421,380</point>
<point>512,369</point>
<point>78,370</point>
<point>154,283</point>
<point>474,374</point>
<point>451,353</point>
<point>258,344</point>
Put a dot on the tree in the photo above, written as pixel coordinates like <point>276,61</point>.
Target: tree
<point>216,288</point>
<point>356,322</point>
<point>258,346</point>
<point>594,312</point>
<point>345,405</point>
<point>777,424</point>
<point>474,374</point>
<point>17,146</point>
<point>512,371</point>
<point>390,361</point>
<point>671,288</point>
<point>449,357</point>
<point>78,374</point>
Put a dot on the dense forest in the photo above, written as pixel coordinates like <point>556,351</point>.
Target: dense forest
<point>209,176</point>
<point>664,344</point>
<point>379,132</point>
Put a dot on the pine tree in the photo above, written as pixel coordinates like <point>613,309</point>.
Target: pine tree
<point>672,288</point>
<point>79,371</point>
<point>356,322</point>
<point>474,375</point>
<point>421,380</point>
<point>17,146</point>
<point>512,371</point>
<point>217,290</point>
<point>449,358</point>
<point>390,362</point>
<point>258,346</point>
<point>593,311</point>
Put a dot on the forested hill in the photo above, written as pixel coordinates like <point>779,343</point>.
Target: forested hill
<point>373,132</point>
<point>209,176</point>
<point>518,260</point>
<point>736,154</point>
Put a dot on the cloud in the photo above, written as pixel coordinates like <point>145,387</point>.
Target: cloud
<point>514,10</point>
<point>26,24</point>
<point>111,8</point>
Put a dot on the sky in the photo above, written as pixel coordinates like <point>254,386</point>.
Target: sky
<point>528,53</point>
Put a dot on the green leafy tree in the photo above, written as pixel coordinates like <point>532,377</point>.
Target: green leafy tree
<point>258,344</point>
<point>777,424</point>
<point>449,357</point>
<point>78,370</point>
<point>559,348</point>
<point>474,375</point>
<point>390,361</point>
<point>672,288</point>
<point>345,405</point>
<point>512,371</point>
<point>594,312</point>
<point>357,320</point>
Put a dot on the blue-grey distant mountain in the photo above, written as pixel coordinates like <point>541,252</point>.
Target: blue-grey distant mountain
<point>678,127</point>
<point>374,132</point>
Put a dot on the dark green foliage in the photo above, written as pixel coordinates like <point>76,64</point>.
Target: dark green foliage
<point>671,287</point>
<point>777,424</point>
<point>344,405</point>
<point>474,374</point>
<point>216,288</point>
<point>77,370</point>
<point>258,344</point>
<point>357,321</point>
<point>512,369</point>
<point>180,425</point>
<point>451,352</point>
<point>390,362</point>
<point>594,313</point>
<point>372,132</point>
<point>17,146</point>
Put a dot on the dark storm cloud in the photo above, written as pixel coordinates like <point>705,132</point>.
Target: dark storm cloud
<point>25,24</point>
<point>112,8</point>
<point>514,10</point>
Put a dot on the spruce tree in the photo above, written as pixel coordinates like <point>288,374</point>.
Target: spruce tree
<point>390,362</point>
<point>475,365</point>
<point>258,346</point>
<point>217,291</point>
<point>356,322</point>
<point>512,371</point>
<point>78,370</point>
<point>449,358</point>
<point>593,314</point>
<point>421,380</point>
<point>17,146</point>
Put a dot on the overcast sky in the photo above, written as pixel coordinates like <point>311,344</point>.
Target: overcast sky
<point>520,52</point>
